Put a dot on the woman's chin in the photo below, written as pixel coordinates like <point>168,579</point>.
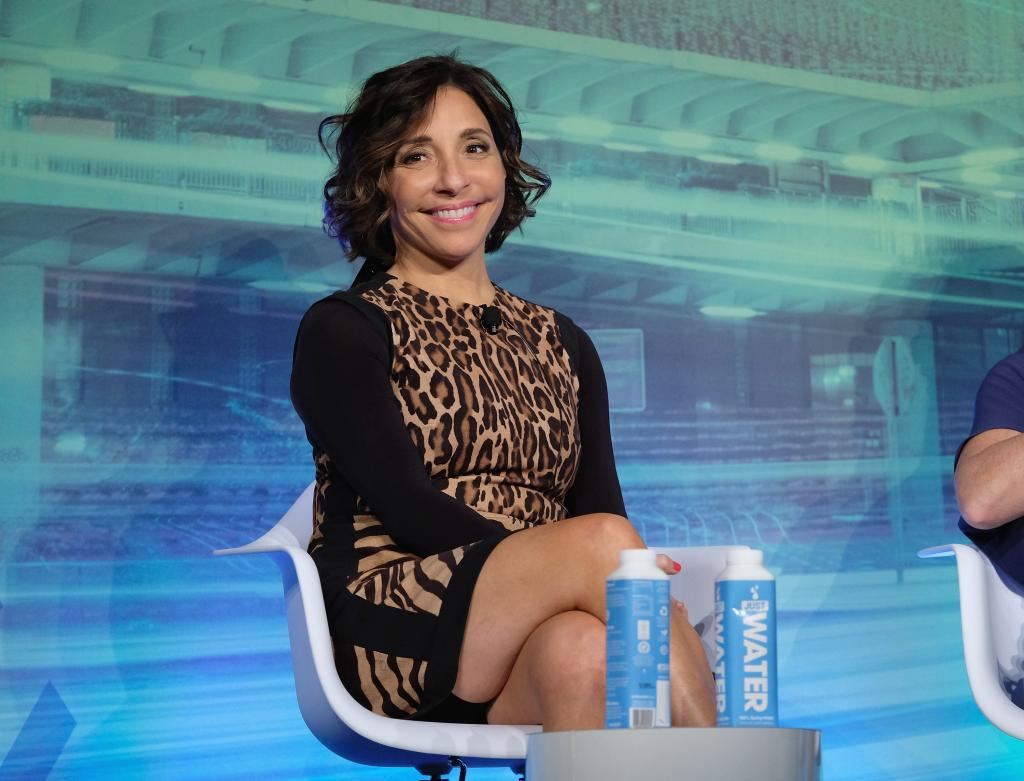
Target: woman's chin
<point>452,256</point>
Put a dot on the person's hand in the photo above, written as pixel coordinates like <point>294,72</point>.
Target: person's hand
<point>666,565</point>
<point>678,608</point>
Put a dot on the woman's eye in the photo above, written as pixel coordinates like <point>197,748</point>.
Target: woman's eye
<point>477,148</point>
<point>412,157</point>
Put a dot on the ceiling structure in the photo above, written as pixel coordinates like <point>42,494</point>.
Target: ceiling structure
<point>615,97</point>
<point>315,51</point>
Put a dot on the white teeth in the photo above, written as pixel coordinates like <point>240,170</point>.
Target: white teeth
<point>454,214</point>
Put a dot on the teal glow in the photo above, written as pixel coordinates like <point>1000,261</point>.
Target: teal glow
<point>160,89</point>
<point>719,159</point>
<point>781,152</point>
<point>291,105</point>
<point>798,281</point>
<point>981,176</point>
<point>339,96</point>
<point>734,312</point>
<point>291,286</point>
<point>685,140</point>
<point>991,156</point>
<point>585,126</point>
<point>78,60</point>
<point>70,443</point>
<point>864,163</point>
<point>1004,194</point>
<point>619,146</point>
<point>25,81</point>
<point>226,80</point>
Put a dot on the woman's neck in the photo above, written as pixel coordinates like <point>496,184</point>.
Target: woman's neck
<point>467,282</point>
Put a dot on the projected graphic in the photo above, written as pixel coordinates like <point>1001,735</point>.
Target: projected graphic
<point>793,230</point>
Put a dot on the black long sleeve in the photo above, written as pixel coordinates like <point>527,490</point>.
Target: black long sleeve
<point>596,487</point>
<point>340,387</point>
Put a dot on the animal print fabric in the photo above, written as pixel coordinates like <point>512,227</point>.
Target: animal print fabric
<point>494,418</point>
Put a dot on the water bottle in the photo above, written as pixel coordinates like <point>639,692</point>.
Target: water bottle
<point>637,643</point>
<point>745,661</point>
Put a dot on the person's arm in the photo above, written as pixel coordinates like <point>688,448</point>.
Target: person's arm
<point>341,388</point>
<point>989,473</point>
<point>989,478</point>
<point>596,487</point>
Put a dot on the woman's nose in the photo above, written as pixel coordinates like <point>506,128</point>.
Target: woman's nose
<point>451,175</point>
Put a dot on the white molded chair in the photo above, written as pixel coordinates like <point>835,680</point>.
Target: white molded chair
<point>992,621</point>
<point>359,735</point>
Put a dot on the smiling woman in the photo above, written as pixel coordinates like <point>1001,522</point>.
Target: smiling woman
<point>467,507</point>
<point>366,141</point>
<point>446,190</point>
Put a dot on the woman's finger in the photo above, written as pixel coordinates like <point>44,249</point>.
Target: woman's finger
<point>665,564</point>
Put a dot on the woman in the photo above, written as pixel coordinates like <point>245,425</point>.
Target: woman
<point>467,507</point>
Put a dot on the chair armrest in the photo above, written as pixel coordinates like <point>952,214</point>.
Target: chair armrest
<point>937,552</point>
<point>274,541</point>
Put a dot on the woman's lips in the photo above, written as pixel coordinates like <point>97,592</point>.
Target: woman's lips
<point>451,215</point>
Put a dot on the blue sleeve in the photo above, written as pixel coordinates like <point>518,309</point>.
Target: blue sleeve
<point>1000,404</point>
<point>1000,401</point>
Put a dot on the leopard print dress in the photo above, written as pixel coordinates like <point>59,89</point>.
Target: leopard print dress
<point>493,418</point>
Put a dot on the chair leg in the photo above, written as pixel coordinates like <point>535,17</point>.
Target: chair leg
<point>437,771</point>
<point>434,771</point>
<point>456,762</point>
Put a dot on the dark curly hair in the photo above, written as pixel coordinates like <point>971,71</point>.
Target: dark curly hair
<point>366,138</point>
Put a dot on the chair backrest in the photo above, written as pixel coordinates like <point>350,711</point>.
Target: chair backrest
<point>694,586</point>
<point>992,625</point>
<point>1005,612</point>
<point>298,521</point>
<point>330,712</point>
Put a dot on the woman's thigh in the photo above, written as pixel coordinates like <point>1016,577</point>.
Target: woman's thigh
<point>528,578</point>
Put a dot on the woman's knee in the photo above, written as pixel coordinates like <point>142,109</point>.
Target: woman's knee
<point>609,534</point>
<point>573,653</point>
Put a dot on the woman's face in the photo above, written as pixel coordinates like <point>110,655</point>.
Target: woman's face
<point>447,187</point>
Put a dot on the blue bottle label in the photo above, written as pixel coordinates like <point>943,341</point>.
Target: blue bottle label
<point>638,654</point>
<point>745,666</point>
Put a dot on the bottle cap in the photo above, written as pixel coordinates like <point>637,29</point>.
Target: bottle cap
<point>637,556</point>
<point>744,556</point>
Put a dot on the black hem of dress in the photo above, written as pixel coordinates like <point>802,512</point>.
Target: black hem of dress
<point>443,666</point>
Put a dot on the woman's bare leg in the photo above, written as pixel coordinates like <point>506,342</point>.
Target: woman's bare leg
<point>537,575</point>
<point>528,578</point>
<point>558,677</point>
<point>693,685</point>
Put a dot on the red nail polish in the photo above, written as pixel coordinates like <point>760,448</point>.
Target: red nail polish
<point>677,565</point>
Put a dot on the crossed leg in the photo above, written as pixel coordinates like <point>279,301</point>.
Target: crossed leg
<point>534,638</point>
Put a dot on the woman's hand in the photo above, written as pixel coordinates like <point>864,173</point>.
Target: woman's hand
<point>666,565</point>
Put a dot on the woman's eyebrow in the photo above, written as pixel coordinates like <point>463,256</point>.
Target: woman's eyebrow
<point>472,131</point>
